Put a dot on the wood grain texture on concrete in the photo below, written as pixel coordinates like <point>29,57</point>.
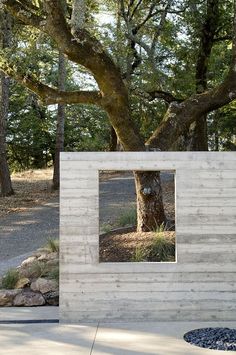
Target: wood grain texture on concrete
<point>200,285</point>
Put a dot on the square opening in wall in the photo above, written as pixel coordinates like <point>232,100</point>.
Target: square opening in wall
<point>137,216</point>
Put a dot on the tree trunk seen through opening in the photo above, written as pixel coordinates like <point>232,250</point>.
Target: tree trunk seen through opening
<point>150,209</point>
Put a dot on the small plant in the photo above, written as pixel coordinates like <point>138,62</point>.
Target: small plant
<point>52,245</point>
<point>36,269</point>
<point>53,274</point>
<point>162,248</point>
<point>106,228</point>
<point>128,218</point>
<point>139,255</point>
<point>160,229</point>
<point>10,279</point>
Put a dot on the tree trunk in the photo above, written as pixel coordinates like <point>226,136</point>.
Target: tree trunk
<point>60,123</point>
<point>198,136</point>
<point>150,209</point>
<point>113,140</point>
<point>5,178</point>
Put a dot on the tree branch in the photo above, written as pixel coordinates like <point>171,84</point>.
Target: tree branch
<point>49,95</point>
<point>222,39</point>
<point>22,13</point>
<point>166,96</point>
<point>179,116</point>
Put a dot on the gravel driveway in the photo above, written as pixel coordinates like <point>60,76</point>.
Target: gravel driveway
<point>21,233</point>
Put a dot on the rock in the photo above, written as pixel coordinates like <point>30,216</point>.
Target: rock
<point>48,256</point>
<point>52,298</point>
<point>23,282</point>
<point>28,261</point>
<point>29,299</point>
<point>7,297</point>
<point>53,262</point>
<point>44,285</point>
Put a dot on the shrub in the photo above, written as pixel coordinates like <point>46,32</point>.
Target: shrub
<point>128,218</point>
<point>10,279</point>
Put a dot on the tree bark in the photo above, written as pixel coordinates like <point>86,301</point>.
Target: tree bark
<point>198,136</point>
<point>113,140</point>
<point>150,209</point>
<point>60,122</point>
<point>5,178</point>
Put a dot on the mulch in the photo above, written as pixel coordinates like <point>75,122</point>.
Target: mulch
<point>121,245</point>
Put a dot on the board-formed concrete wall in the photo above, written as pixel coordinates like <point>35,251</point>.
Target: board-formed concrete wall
<point>200,285</point>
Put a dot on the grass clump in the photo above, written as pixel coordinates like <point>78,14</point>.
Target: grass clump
<point>162,247</point>
<point>52,245</point>
<point>9,280</point>
<point>106,228</point>
<point>128,218</point>
<point>139,255</point>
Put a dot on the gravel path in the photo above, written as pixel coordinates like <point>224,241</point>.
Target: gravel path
<point>116,195</point>
<point>21,233</point>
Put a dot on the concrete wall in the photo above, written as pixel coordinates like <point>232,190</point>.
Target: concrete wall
<point>199,286</point>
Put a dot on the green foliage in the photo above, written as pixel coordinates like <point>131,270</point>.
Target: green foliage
<point>31,127</point>
<point>106,228</point>
<point>53,274</point>
<point>128,218</point>
<point>52,245</point>
<point>162,248</point>
<point>86,129</point>
<point>140,255</point>
<point>10,279</point>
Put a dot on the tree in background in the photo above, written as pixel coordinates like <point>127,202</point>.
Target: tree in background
<point>5,42</point>
<point>73,36</point>
<point>60,132</point>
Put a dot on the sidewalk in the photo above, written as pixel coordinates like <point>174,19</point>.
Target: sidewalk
<point>155,338</point>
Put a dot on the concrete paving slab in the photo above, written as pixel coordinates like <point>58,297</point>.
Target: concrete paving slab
<point>159,338</point>
<point>162,338</point>
<point>46,339</point>
<point>28,313</point>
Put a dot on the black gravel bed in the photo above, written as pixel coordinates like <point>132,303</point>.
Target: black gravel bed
<point>213,338</point>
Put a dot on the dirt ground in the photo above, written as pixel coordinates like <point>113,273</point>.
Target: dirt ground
<point>123,246</point>
<point>31,187</point>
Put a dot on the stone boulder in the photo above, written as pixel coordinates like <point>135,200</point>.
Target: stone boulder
<point>53,262</point>
<point>23,282</point>
<point>52,298</point>
<point>7,297</point>
<point>29,299</point>
<point>28,261</point>
<point>44,285</point>
<point>48,256</point>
